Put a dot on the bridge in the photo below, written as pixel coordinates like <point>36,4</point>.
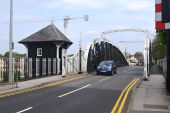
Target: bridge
<point>101,49</point>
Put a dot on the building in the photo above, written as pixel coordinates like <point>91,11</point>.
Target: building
<point>46,51</point>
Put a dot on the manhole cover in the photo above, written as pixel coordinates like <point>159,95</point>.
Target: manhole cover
<point>155,106</point>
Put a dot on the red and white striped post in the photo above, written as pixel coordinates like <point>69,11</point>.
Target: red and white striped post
<point>159,25</point>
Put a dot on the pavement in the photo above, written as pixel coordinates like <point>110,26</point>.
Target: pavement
<point>8,88</point>
<point>151,96</point>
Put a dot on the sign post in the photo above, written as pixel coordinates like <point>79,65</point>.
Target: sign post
<point>168,61</point>
<point>162,17</point>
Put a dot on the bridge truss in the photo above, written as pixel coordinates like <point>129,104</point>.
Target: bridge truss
<point>92,47</point>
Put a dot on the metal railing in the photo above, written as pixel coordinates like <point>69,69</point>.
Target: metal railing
<point>24,69</point>
<point>73,63</point>
<point>163,65</point>
<point>19,69</point>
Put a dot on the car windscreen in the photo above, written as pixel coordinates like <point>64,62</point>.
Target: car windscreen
<point>105,63</point>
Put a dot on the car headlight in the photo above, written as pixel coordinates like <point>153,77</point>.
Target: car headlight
<point>98,67</point>
<point>109,68</point>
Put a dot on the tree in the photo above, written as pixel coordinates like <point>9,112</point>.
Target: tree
<point>138,55</point>
<point>15,55</point>
<point>1,55</point>
<point>71,55</point>
<point>159,45</point>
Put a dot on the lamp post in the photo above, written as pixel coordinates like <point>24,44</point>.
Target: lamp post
<point>66,21</point>
<point>67,18</point>
<point>11,43</point>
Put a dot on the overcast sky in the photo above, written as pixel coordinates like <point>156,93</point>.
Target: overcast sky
<point>103,15</point>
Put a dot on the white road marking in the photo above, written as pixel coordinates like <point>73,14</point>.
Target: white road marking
<point>24,110</point>
<point>104,79</point>
<point>75,90</point>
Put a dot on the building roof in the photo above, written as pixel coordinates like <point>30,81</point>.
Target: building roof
<point>48,34</point>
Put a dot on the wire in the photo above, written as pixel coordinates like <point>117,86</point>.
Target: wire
<point>131,42</point>
<point>45,20</point>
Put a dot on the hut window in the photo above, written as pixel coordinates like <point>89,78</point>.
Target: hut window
<point>39,51</point>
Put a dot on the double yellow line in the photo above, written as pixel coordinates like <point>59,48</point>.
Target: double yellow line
<point>124,93</point>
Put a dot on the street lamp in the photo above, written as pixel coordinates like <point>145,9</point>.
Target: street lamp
<point>11,43</point>
<point>67,18</point>
<point>66,21</point>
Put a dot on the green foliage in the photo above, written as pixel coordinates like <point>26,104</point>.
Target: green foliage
<point>71,55</point>
<point>162,37</point>
<point>1,55</point>
<point>159,45</point>
<point>15,55</point>
<point>138,55</point>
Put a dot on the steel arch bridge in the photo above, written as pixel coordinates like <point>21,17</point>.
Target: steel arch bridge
<point>102,49</point>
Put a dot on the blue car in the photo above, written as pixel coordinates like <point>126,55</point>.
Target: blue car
<point>106,67</point>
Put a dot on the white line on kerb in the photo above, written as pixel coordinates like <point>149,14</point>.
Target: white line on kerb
<point>24,110</point>
<point>74,90</point>
<point>104,79</point>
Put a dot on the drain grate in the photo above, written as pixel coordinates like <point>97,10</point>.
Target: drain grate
<point>155,106</point>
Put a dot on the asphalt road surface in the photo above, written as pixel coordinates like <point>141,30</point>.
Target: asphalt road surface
<point>92,94</point>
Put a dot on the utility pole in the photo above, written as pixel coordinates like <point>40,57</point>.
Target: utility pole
<point>10,79</point>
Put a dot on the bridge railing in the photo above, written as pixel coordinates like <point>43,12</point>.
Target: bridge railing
<point>73,63</point>
<point>163,65</point>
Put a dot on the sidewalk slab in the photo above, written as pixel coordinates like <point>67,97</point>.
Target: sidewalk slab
<point>151,96</point>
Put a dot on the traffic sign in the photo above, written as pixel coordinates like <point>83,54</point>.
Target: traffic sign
<point>166,11</point>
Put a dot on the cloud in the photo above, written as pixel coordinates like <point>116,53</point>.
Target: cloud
<point>75,4</point>
<point>135,5</point>
<point>139,5</point>
<point>104,15</point>
<point>96,4</point>
<point>91,32</point>
<point>52,4</point>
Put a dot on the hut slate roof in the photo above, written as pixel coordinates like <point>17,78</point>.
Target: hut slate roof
<point>48,34</point>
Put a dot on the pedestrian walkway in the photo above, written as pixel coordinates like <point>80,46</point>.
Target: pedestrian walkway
<point>151,96</point>
<point>34,83</point>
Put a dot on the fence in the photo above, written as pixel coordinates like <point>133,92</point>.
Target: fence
<point>73,63</point>
<point>23,68</point>
<point>163,64</point>
<point>19,69</point>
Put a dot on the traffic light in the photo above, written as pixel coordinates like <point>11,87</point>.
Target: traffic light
<point>166,11</point>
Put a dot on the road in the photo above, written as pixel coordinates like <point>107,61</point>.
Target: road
<point>92,94</point>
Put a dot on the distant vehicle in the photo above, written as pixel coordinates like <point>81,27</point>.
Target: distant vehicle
<point>140,63</point>
<point>106,67</point>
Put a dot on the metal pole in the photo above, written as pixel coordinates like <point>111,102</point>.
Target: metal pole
<point>125,52</point>
<point>148,57</point>
<point>10,42</point>
<point>17,72</point>
<point>145,74</point>
<point>168,62</point>
<point>80,52</point>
